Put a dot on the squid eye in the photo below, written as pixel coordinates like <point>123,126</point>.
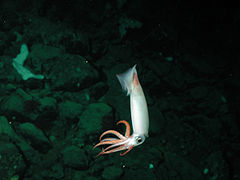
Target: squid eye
<point>139,139</point>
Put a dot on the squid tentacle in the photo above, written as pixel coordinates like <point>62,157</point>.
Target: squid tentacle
<point>106,143</point>
<point>119,135</point>
<point>113,142</point>
<point>128,129</point>
<point>120,148</point>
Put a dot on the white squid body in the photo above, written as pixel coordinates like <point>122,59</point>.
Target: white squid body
<point>138,105</point>
<point>139,114</point>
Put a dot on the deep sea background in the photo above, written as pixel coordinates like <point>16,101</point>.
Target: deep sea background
<point>188,64</point>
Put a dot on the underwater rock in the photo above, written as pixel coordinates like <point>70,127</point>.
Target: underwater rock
<point>54,172</point>
<point>140,173</point>
<point>198,92</point>
<point>7,72</point>
<point>48,104</point>
<point>19,106</point>
<point>75,157</point>
<point>47,114</point>
<point>208,126</point>
<point>182,168</point>
<point>76,175</point>
<point>112,173</point>
<point>69,109</point>
<point>199,64</point>
<point>98,90</point>
<point>93,118</point>
<point>217,166</point>
<point>12,162</point>
<point>42,52</point>
<point>71,73</point>
<point>6,129</point>
<point>35,136</point>
<point>176,78</point>
<point>161,68</point>
<point>13,103</point>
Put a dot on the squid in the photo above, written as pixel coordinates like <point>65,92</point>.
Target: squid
<point>139,116</point>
